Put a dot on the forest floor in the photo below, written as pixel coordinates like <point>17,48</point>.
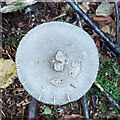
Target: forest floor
<point>15,99</point>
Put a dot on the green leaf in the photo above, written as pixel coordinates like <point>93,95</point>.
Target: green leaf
<point>17,4</point>
<point>47,111</point>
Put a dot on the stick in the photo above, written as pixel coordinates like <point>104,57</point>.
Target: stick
<point>8,54</point>
<point>85,107</point>
<point>108,96</point>
<point>61,15</point>
<point>78,18</point>
<point>93,103</point>
<point>117,22</point>
<point>109,43</point>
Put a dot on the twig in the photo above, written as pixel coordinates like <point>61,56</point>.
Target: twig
<point>3,28</point>
<point>108,96</point>
<point>2,101</point>
<point>57,17</point>
<point>8,54</point>
<point>15,46</point>
<point>78,17</point>
<point>13,49</point>
<point>80,106</point>
<point>85,107</point>
<point>93,102</point>
<point>117,22</point>
<point>109,43</point>
<point>3,113</point>
<point>110,50</point>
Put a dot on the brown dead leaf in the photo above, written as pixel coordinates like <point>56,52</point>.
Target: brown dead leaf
<point>97,42</point>
<point>106,20</point>
<point>69,10</point>
<point>23,112</point>
<point>106,29</point>
<point>109,29</point>
<point>76,105</point>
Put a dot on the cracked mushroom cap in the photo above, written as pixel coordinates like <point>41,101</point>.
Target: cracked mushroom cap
<point>57,62</point>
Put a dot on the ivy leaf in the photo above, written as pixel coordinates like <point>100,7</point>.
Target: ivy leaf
<point>47,111</point>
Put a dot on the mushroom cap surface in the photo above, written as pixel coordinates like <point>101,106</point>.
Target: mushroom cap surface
<point>36,54</point>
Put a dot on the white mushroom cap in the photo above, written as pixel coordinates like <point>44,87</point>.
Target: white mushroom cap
<point>35,59</point>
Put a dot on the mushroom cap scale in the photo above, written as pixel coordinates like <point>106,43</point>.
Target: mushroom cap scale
<point>36,57</point>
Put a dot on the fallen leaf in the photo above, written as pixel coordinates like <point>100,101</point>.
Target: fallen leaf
<point>110,28</point>
<point>106,20</point>
<point>69,10</point>
<point>97,42</point>
<point>105,9</point>
<point>85,5</point>
<point>106,29</point>
<point>47,111</point>
<point>83,8</point>
<point>73,116</point>
<point>7,72</point>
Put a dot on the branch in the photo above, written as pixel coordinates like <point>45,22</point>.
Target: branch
<point>108,96</point>
<point>109,43</point>
<point>78,18</point>
<point>85,107</point>
<point>117,22</point>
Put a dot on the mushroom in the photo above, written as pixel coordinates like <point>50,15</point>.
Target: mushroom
<point>57,62</point>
